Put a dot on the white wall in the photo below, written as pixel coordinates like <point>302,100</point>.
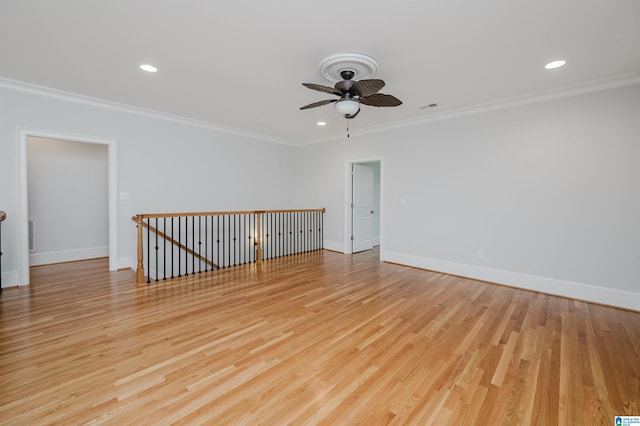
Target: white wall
<point>68,199</point>
<point>549,192</point>
<point>165,165</point>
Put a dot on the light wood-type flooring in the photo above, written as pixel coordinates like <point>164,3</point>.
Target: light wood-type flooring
<point>317,338</point>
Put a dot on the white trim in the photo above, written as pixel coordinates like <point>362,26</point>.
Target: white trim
<point>59,256</point>
<point>334,246</point>
<point>566,92</point>
<point>9,279</point>
<point>573,290</point>
<point>115,106</point>
<point>574,90</point>
<point>23,194</point>
<point>127,263</point>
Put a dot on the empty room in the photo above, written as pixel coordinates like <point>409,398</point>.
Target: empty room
<point>277,212</point>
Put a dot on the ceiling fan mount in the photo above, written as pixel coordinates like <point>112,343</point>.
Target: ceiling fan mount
<point>347,74</point>
<point>352,93</point>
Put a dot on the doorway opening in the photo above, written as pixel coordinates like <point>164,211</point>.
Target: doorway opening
<point>364,205</point>
<point>25,238</point>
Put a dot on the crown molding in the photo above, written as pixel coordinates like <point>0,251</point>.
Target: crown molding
<point>35,89</point>
<point>565,92</point>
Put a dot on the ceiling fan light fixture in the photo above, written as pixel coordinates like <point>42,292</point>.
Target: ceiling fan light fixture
<point>347,106</point>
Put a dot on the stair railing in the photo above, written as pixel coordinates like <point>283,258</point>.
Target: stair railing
<point>173,245</point>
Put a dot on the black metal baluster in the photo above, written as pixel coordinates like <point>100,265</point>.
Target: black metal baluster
<point>321,230</point>
<point>317,226</point>
<point>164,248</point>
<point>148,251</point>
<point>306,240</point>
<point>294,229</point>
<point>156,247</point>
<point>250,248</point>
<point>265,231</point>
<point>224,265</point>
<point>186,244</point>
<point>172,248</point>
<point>193,244</point>
<point>290,216</point>
<point>285,233</point>
<point>206,245</point>
<point>300,232</point>
<point>271,233</point>
<point>218,241</point>
<point>265,227</point>
<point>211,244</point>
<point>235,238</point>
<point>199,245</point>
<point>179,249</point>
<point>229,241</point>
<point>280,235</point>
<point>244,240</point>
<point>309,243</point>
<point>313,235</point>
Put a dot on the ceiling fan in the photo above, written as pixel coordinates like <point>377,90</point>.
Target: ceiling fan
<point>352,94</point>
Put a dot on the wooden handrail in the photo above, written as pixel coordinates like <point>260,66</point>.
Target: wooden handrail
<point>3,215</point>
<point>159,215</point>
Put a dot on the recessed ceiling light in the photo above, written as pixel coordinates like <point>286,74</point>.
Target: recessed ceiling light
<point>148,68</point>
<point>321,123</point>
<point>555,64</point>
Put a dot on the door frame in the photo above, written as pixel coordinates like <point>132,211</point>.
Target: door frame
<point>22,220</point>
<point>348,212</point>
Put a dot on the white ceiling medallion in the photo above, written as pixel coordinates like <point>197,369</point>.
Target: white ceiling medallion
<point>362,66</point>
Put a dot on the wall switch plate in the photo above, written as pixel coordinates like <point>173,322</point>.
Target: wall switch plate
<point>124,195</point>
<point>480,255</point>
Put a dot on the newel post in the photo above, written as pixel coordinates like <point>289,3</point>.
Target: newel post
<point>140,267</point>
<point>258,239</point>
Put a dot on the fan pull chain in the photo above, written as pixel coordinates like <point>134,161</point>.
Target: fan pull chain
<point>348,129</point>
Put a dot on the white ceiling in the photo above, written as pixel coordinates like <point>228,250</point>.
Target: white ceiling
<point>239,63</point>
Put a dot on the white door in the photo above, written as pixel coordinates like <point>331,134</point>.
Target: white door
<point>362,202</point>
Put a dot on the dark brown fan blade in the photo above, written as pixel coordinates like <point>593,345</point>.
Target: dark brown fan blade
<point>365,88</point>
<point>320,103</point>
<point>381,100</point>
<point>324,89</point>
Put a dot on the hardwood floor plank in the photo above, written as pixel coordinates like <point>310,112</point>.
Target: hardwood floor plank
<point>316,338</point>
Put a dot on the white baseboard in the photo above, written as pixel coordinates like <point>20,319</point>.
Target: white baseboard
<point>376,241</point>
<point>334,246</point>
<point>579,291</point>
<point>9,279</point>
<point>127,262</point>
<point>46,258</point>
